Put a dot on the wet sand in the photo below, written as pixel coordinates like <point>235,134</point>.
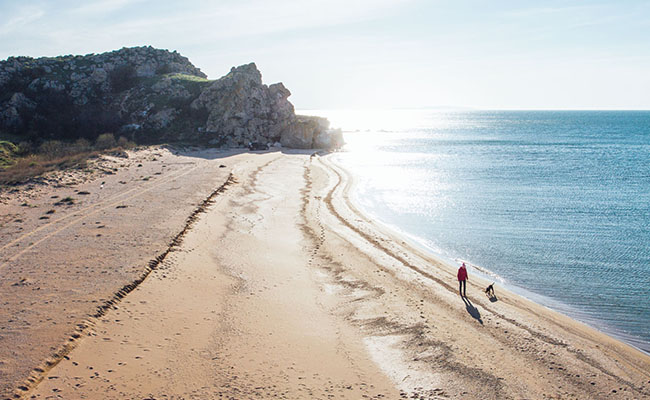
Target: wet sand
<point>280,288</point>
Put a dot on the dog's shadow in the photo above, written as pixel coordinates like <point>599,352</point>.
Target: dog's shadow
<point>492,297</point>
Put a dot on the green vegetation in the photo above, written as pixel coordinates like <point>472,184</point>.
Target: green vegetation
<point>63,106</point>
<point>105,141</point>
<point>194,84</point>
<point>188,78</point>
<point>124,143</point>
<point>8,153</point>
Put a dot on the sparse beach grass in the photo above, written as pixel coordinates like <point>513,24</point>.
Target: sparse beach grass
<point>18,164</point>
<point>33,166</point>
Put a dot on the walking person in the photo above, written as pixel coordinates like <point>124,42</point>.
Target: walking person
<point>462,280</point>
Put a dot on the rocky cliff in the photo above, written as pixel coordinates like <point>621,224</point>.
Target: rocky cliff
<point>150,95</point>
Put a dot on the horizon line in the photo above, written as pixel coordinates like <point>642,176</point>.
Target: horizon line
<point>461,108</point>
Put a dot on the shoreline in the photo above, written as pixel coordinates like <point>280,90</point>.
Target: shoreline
<point>541,310</point>
<point>282,288</point>
<point>542,300</point>
<point>488,276</point>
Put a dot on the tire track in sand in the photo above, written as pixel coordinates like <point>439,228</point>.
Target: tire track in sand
<point>39,372</point>
<point>110,198</point>
<point>84,216</point>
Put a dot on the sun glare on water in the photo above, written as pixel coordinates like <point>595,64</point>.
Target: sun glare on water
<point>367,130</point>
<point>379,151</point>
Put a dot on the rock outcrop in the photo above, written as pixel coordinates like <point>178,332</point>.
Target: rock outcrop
<point>150,95</point>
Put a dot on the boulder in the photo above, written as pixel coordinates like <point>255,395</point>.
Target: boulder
<point>19,100</point>
<point>10,118</point>
<point>99,75</point>
<point>300,133</point>
<point>10,111</point>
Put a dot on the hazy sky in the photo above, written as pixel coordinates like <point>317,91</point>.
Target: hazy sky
<point>374,53</point>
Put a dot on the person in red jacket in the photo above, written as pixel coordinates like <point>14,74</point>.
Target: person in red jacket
<point>462,280</point>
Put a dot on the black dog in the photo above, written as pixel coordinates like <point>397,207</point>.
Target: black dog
<point>490,290</point>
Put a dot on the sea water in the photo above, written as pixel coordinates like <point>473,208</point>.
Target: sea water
<point>554,205</point>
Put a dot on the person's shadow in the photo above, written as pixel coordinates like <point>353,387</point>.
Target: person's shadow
<point>473,311</point>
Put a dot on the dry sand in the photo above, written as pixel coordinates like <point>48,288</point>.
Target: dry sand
<point>279,288</point>
<point>58,269</point>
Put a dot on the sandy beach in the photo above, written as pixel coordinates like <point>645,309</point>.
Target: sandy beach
<point>206,274</point>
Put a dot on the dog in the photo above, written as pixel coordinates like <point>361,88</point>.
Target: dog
<point>490,290</point>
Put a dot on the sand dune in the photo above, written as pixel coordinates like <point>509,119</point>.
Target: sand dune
<point>280,288</point>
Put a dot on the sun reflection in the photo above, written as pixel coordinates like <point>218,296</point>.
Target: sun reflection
<point>382,153</point>
<point>368,131</point>
<point>382,120</point>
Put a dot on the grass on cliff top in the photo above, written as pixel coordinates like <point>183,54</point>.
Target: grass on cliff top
<point>193,84</point>
<point>183,79</point>
<point>188,78</point>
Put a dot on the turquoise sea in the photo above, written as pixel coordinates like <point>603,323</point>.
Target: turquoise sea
<point>554,205</point>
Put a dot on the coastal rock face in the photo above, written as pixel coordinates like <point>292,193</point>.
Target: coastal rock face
<point>240,109</point>
<point>150,95</point>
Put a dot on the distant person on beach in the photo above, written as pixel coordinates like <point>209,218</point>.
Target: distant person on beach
<point>462,280</point>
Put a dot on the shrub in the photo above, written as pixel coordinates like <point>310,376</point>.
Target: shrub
<point>24,148</point>
<point>52,149</point>
<point>81,145</point>
<point>125,143</point>
<point>105,141</point>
